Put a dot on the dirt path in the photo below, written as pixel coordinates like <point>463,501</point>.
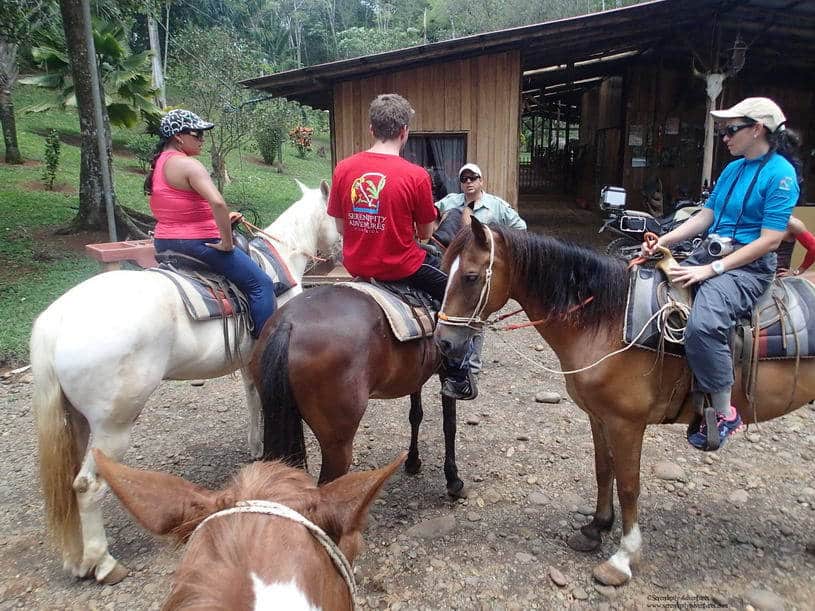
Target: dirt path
<point>736,528</point>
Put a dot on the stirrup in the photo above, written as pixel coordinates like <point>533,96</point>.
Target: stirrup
<point>712,430</point>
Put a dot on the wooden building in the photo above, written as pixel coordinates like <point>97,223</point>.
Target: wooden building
<point>467,107</point>
<point>564,107</point>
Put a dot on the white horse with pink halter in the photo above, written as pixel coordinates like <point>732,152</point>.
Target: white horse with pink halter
<point>98,353</point>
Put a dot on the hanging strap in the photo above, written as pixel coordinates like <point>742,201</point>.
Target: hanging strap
<point>746,195</point>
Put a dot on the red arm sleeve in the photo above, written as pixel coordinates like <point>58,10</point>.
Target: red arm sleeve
<point>807,240</point>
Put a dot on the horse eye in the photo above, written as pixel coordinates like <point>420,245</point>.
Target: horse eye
<point>470,278</point>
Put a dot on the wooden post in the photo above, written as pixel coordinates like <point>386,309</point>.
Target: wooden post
<point>714,88</point>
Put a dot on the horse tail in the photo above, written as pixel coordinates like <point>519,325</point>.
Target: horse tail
<point>60,454</point>
<point>282,424</point>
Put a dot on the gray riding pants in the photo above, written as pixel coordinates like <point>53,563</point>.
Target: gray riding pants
<point>720,302</point>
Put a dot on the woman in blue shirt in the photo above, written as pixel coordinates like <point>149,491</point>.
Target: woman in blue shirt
<point>745,219</point>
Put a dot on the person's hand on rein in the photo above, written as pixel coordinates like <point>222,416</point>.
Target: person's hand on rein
<point>228,246</point>
<point>650,245</point>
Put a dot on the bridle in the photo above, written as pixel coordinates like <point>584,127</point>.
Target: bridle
<point>276,509</point>
<point>475,320</point>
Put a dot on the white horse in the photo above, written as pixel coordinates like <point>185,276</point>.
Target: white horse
<point>97,354</point>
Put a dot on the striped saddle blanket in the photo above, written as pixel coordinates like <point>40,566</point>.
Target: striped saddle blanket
<point>409,320</point>
<point>781,316</point>
<point>207,295</point>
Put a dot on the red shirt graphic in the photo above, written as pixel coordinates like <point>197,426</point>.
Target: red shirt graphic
<point>380,198</point>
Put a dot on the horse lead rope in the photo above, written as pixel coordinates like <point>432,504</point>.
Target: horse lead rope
<point>663,311</point>
<point>276,509</point>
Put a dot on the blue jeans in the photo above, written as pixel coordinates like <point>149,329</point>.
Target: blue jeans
<point>238,267</point>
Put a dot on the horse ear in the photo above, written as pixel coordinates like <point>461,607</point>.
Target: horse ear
<point>479,231</point>
<point>467,216</point>
<point>158,501</point>
<point>349,499</point>
<point>303,188</point>
<point>324,189</point>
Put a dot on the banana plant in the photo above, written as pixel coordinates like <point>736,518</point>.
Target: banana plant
<point>125,78</point>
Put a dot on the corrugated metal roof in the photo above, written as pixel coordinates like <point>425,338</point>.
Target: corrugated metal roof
<point>780,35</point>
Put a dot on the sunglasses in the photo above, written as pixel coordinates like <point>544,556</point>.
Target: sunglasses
<point>196,135</point>
<point>732,130</point>
<point>470,178</point>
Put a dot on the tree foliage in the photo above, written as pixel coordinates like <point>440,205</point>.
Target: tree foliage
<point>355,42</point>
<point>125,77</point>
<point>206,66</point>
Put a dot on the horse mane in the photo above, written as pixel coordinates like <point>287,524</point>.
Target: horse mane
<point>560,275</point>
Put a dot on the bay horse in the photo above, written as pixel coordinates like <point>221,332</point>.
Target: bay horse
<point>576,300</point>
<point>320,358</point>
<point>98,353</point>
<point>270,540</point>
<point>324,355</point>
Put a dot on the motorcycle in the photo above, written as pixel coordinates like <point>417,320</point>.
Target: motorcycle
<point>631,225</point>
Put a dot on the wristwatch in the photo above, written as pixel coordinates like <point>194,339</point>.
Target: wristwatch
<point>718,267</point>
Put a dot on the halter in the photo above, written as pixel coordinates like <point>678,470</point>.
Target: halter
<point>474,321</point>
<point>276,509</point>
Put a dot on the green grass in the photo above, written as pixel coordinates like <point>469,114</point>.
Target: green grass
<point>34,272</point>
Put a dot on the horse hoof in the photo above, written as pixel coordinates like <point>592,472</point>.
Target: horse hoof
<point>413,467</point>
<point>116,574</point>
<point>609,575</point>
<point>457,490</point>
<point>579,542</point>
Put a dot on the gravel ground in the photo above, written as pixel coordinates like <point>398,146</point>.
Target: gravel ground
<point>731,531</point>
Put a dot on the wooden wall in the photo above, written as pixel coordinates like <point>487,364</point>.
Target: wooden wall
<point>479,97</point>
<point>658,100</point>
<point>664,107</point>
<point>601,125</point>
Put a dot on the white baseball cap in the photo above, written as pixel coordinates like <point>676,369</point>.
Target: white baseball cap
<point>763,110</point>
<point>472,168</point>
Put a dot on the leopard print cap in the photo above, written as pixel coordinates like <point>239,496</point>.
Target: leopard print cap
<point>179,121</point>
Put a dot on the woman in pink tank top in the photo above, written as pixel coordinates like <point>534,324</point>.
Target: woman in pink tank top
<point>192,216</point>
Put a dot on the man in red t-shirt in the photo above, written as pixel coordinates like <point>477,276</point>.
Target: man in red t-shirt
<point>381,202</point>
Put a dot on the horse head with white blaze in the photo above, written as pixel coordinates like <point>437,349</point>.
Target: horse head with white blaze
<point>101,349</point>
<point>271,539</point>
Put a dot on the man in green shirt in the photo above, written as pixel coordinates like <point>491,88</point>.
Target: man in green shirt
<point>486,208</point>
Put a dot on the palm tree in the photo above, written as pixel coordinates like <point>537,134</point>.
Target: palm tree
<point>126,86</point>
<point>124,77</point>
<point>8,74</point>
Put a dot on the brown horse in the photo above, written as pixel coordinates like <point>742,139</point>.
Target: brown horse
<point>271,539</point>
<point>579,298</point>
<point>320,358</point>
